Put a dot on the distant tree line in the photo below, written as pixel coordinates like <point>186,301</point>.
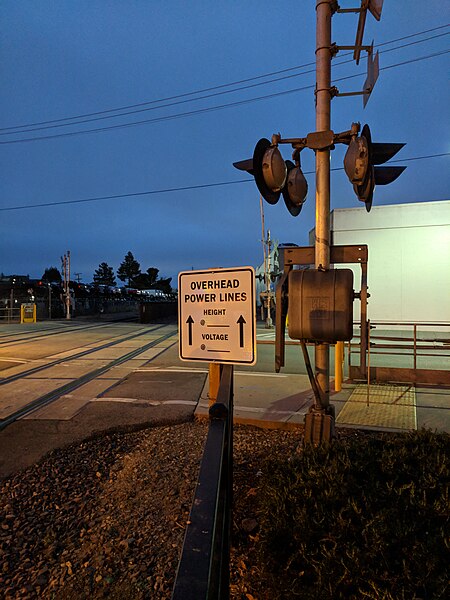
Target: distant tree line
<point>129,271</point>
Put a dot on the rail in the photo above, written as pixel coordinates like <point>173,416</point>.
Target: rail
<point>203,570</point>
<point>426,353</point>
<point>69,387</point>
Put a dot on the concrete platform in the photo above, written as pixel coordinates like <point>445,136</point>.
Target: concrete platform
<point>282,401</point>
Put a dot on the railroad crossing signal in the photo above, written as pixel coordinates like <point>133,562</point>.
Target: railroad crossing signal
<point>359,164</point>
<point>275,176</point>
<point>272,176</point>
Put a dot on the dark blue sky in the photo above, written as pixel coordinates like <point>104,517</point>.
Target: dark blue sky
<point>69,58</point>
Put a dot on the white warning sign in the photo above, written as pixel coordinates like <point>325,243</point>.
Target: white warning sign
<point>216,315</point>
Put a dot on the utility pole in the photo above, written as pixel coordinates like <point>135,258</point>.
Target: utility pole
<point>11,303</point>
<point>49,300</point>
<point>324,12</point>
<point>267,294</point>
<point>66,273</point>
<point>68,287</point>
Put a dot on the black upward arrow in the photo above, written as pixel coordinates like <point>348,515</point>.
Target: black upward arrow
<point>189,322</point>
<point>241,322</point>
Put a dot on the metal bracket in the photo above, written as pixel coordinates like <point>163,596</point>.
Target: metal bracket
<point>280,319</point>
<point>290,256</point>
<point>366,48</point>
<point>317,140</point>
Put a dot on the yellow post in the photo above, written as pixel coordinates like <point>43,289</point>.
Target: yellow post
<point>214,381</point>
<point>338,365</point>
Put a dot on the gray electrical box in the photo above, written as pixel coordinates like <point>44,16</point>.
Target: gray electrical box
<point>320,305</point>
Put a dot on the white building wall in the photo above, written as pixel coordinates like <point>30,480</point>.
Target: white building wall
<point>409,259</point>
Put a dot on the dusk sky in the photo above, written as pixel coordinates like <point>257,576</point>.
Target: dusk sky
<point>131,98</point>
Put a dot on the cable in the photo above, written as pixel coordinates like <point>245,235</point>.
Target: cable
<point>397,160</point>
<point>212,88</point>
<point>209,109</point>
<point>115,196</point>
<point>180,189</point>
<point>420,157</point>
<point>207,96</point>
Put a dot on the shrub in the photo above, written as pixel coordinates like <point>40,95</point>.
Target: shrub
<point>366,517</point>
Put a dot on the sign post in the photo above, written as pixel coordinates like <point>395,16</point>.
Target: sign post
<point>216,316</point>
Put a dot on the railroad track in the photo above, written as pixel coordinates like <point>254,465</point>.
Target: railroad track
<point>48,331</point>
<point>58,361</point>
<point>83,379</point>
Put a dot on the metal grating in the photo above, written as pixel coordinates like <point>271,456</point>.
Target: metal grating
<point>381,406</point>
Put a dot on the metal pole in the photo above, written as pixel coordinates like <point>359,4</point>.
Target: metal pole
<point>67,271</point>
<point>338,365</point>
<point>319,422</point>
<point>415,350</point>
<point>368,362</point>
<point>323,123</point>
<point>11,305</point>
<point>267,266</point>
<point>215,373</point>
<point>364,323</point>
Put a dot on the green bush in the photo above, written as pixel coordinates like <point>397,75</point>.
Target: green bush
<point>366,517</point>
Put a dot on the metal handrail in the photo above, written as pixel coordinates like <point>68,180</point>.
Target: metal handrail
<point>203,570</point>
<point>10,314</point>
<point>418,345</point>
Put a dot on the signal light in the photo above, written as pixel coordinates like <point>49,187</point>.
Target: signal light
<point>294,193</point>
<point>275,176</point>
<point>269,170</point>
<point>359,161</point>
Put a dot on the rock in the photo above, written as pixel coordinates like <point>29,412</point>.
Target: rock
<point>249,525</point>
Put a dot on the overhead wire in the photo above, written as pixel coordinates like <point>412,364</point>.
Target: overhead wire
<point>205,97</point>
<point>211,108</point>
<point>181,188</point>
<point>188,95</point>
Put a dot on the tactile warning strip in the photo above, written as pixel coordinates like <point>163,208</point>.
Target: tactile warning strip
<point>383,406</point>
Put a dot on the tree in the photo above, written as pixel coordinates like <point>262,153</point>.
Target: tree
<point>104,275</point>
<point>145,281</point>
<point>52,275</point>
<point>129,269</point>
<point>152,274</point>
<point>164,285</point>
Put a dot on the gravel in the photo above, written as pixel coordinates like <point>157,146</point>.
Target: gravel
<point>106,518</point>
